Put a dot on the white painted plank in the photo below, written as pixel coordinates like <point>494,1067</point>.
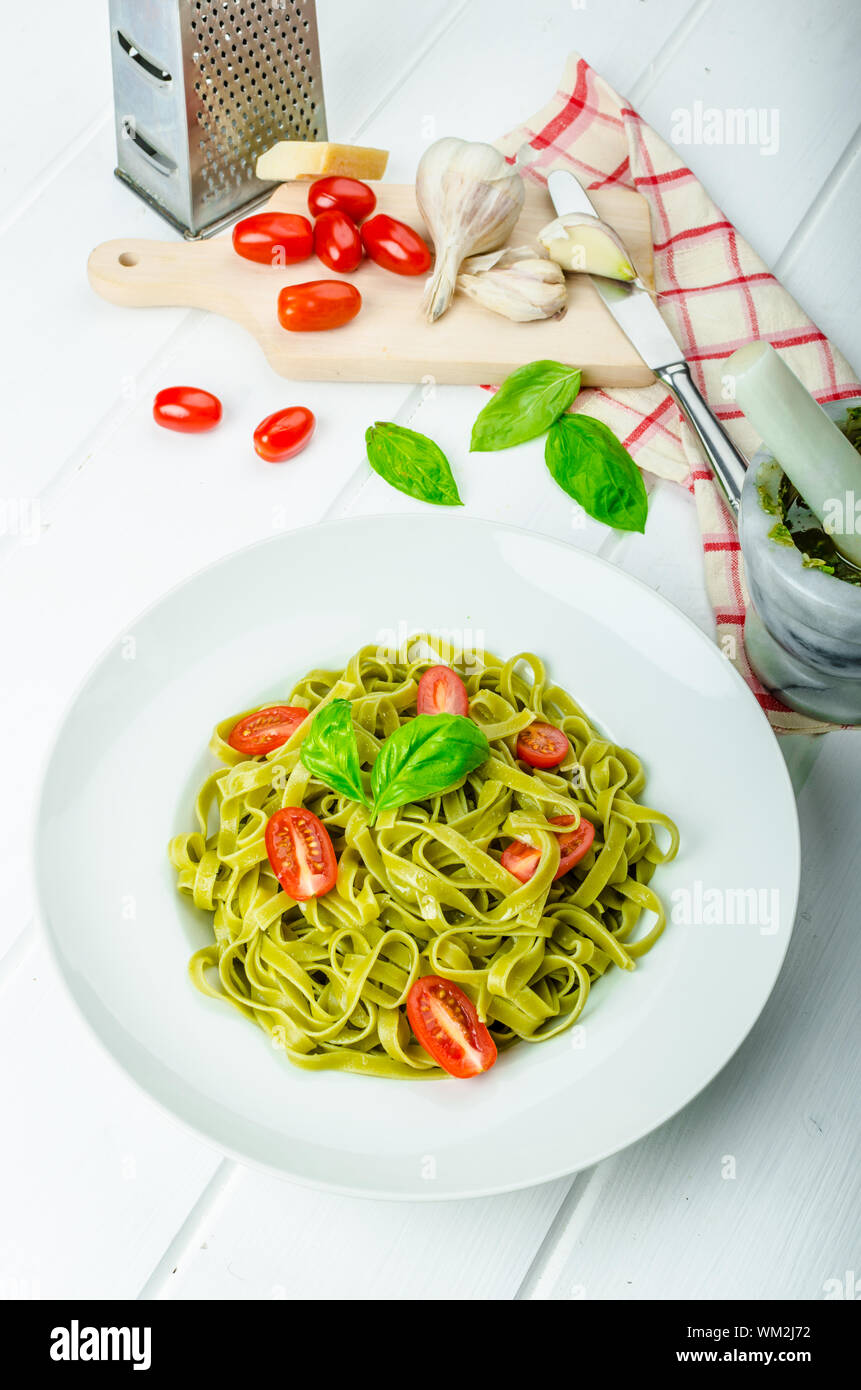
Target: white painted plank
<point>68,356</point>
<point>818,267</point>
<point>368,54</point>
<point>666,1219</point>
<point>94,1179</point>
<point>276,1241</point>
<point>795,59</point>
<point>56,87</point>
<point>669,555</point>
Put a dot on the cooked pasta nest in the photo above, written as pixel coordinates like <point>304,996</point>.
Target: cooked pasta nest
<point>423,891</point>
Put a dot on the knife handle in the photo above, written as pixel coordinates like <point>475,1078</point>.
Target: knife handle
<point>725,460</point>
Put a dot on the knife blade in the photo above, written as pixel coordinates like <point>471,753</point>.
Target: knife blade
<point>640,320</point>
<point>630,304</point>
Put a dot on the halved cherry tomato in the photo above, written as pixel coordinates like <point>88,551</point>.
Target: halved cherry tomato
<point>337,241</point>
<point>441,691</point>
<point>542,745</point>
<point>395,246</point>
<point>317,304</point>
<point>284,433</point>
<point>274,238</point>
<point>265,729</point>
<point>187,409</point>
<point>351,196</point>
<point>446,1024</point>
<point>301,854</point>
<point>522,860</point>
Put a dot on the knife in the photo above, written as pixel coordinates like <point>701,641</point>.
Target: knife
<point>640,320</point>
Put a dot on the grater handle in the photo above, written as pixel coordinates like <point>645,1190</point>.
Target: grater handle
<point>138,272</point>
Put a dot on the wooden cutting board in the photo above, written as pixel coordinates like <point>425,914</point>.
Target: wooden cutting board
<point>389,340</point>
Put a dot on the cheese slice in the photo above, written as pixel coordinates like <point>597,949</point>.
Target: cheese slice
<point>309,159</point>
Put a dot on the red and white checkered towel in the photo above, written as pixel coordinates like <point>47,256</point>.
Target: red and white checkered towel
<point>715,294</point>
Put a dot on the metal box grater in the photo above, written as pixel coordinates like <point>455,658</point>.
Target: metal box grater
<point>201,88</point>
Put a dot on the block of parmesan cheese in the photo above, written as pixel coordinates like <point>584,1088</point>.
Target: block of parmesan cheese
<point>310,159</point>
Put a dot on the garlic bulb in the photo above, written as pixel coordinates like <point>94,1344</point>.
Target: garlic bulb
<point>579,241</point>
<point>470,199</point>
<point>519,282</point>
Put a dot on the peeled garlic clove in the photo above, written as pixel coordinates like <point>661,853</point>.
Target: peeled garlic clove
<point>579,241</point>
<point>470,199</point>
<point>519,283</point>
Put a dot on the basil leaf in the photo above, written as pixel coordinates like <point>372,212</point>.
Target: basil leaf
<point>412,463</point>
<point>588,462</point>
<point>525,405</point>
<point>424,757</point>
<point>330,751</point>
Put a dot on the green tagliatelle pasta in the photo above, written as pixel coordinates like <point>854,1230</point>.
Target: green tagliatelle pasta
<point>423,891</point>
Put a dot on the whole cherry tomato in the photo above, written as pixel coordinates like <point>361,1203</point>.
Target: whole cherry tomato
<point>337,241</point>
<point>395,246</point>
<point>441,691</point>
<point>284,433</point>
<point>274,238</point>
<point>317,304</point>
<point>188,409</point>
<point>265,729</point>
<point>351,196</point>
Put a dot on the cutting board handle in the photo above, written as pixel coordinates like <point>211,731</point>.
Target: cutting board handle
<point>137,272</point>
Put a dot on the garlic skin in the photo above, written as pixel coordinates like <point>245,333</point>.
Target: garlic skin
<point>579,241</point>
<point>520,282</point>
<point>508,255</point>
<point>470,199</point>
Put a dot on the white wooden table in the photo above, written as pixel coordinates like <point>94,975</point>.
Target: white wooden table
<point>101,1194</point>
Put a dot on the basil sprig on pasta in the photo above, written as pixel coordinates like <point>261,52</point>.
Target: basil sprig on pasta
<point>330,751</point>
<point>422,758</point>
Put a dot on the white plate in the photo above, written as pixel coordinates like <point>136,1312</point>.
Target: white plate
<point>132,751</point>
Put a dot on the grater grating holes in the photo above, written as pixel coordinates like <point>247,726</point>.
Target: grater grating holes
<point>273,99</point>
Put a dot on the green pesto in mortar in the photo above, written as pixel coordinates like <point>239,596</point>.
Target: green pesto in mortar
<point>796,525</point>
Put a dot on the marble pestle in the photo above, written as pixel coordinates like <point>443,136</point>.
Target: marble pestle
<point>813,453</point>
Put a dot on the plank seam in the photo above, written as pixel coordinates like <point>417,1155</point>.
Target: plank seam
<point>665,54</point>
<point>189,1235</point>
<point>112,420</point>
<point>15,956</point>
<point>818,206</point>
<point>35,190</point>
<point>562,1233</point>
<point>430,42</point>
